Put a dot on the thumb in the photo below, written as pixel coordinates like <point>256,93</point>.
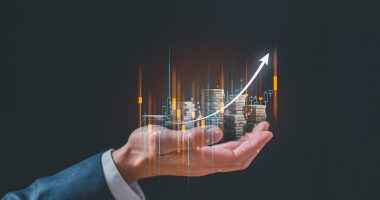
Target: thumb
<point>193,138</point>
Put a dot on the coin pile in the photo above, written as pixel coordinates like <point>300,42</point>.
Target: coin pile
<point>188,112</point>
<point>212,101</point>
<point>234,119</point>
<point>255,115</point>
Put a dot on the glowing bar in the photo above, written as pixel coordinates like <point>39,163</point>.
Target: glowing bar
<point>178,114</point>
<point>203,122</point>
<point>275,82</point>
<point>260,98</point>
<point>183,128</point>
<point>193,115</point>
<point>139,100</point>
<point>222,107</point>
<point>275,87</point>
<point>174,103</point>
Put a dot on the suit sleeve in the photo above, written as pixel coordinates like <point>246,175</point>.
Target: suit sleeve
<point>84,180</point>
<point>120,189</point>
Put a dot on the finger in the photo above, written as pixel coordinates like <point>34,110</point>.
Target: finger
<point>253,145</point>
<point>243,160</point>
<point>193,138</point>
<point>262,126</point>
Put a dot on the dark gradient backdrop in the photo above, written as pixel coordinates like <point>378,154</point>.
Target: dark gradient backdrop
<point>70,77</point>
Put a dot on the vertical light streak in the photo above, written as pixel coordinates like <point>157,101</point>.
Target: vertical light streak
<point>179,114</point>
<point>149,130</point>
<point>193,91</point>
<point>275,86</point>
<point>139,102</point>
<point>241,74</point>
<point>179,99</point>
<point>177,94</point>
<point>169,86</point>
<point>246,77</point>
<point>192,117</point>
<point>169,71</point>
<point>183,154</point>
<point>174,84</point>
<point>232,76</point>
<point>203,122</point>
<point>139,99</point>
<point>261,85</point>
<point>222,77</point>
<point>174,103</point>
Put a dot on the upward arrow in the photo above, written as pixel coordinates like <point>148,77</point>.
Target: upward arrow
<point>264,61</point>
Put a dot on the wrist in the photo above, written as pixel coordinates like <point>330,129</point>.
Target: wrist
<point>127,163</point>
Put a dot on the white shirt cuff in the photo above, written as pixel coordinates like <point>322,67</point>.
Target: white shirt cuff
<point>118,187</point>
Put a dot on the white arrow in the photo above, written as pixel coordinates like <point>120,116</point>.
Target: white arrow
<point>264,61</point>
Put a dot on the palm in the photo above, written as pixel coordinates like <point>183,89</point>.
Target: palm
<point>230,156</point>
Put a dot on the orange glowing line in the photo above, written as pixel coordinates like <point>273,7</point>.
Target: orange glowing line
<point>193,91</point>
<point>139,100</point>
<point>275,70</point>
<point>275,83</point>
<point>150,106</point>
<point>275,61</point>
<point>203,122</point>
<point>178,94</point>
<point>179,114</point>
<point>174,83</point>
<point>174,103</point>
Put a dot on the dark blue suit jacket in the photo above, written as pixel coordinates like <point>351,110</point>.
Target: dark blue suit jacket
<point>84,180</point>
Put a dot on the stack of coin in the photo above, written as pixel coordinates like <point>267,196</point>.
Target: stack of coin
<point>211,102</point>
<point>188,112</point>
<point>255,115</point>
<point>234,119</point>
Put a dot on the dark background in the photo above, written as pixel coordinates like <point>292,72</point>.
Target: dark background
<point>70,77</point>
